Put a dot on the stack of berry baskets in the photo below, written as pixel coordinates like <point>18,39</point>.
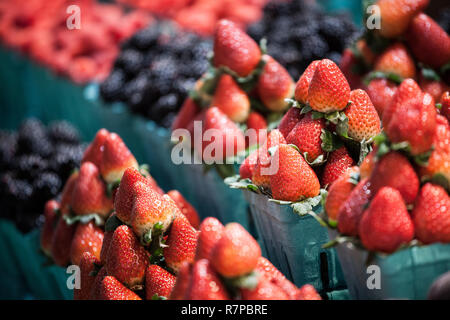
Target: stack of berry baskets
<point>393,212</point>
<point>327,130</point>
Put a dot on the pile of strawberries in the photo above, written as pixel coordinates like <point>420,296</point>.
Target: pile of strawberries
<point>311,147</point>
<point>245,88</point>
<point>39,29</point>
<point>201,15</point>
<point>409,45</point>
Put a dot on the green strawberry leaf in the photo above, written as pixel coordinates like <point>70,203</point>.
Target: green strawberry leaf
<point>441,180</point>
<point>439,106</point>
<point>235,182</point>
<point>112,223</point>
<point>430,74</point>
<point>422,159</point>
<point>84,219</point>
<point>445,68</point>
<point>317,115</point>
<point>338,240</point>
<point>330,141</point>
<point>355,177</point>
<point>110,187</point>
<point>157,297</point>
<point>248,281</point>
<point>380,74</point>
<point>364,149</point>
<point>294,146</point>
<point>308,205</point>
<point>317,162</point>
<point>224,170</point>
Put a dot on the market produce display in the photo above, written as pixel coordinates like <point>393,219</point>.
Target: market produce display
<point>299,32</point>
<point>38,28</point>
<point>34,162</point>
<point>155,70</point>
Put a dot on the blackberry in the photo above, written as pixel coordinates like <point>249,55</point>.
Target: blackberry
<point>8,147</point>
<point>28,166</point>
<point>47,185</point>
<point>131,61</point>
<point>112,88</point>
<point>146,38</point>
<point>33,138</point>
<point>66,159</point>
<point>444,19</point>
<point>63,131</point>
<point>257,30</point>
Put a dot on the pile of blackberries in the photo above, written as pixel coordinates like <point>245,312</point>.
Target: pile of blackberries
<point>298,32</point>
<point>35,162</point>
<point>155,71</point>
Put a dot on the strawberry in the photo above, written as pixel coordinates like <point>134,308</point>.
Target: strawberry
<point>308,292</point>
<point>367,55</point>
<point>158,282</point>
<point>302,86</point>
<point>112,289</point>
<point>48,229</point>
<point>431,214</point>
<point>338,192</point>
<point>414,122</point>
<point>149,210</point>
<point>116,159</point>
<point>205,283</point>
<point>349,62</point>
<point>255,122</point>
<point>232,138</point>
<point>397,14</point>
<point>439,161</point>
<point>181,244</point>
<point>306,135</point>
<point>235,49</point>
<point>66,194</point>
<point>152,183</point>
<point>429,43</point>
<point>363,120</point>
<point>89,192</point>
<point>351,211</point>
<point>96,285</point>
<point>265,290</point>
<point>275,85</point>
<point>445,101</point>
<point>236,253</point>
<point>105,246</point>
<point>61,242</point>
<point>211,231</point>
<point>248,166</point>
<point>186,208</point>
<point>329,90</point>
<point>87,238</point>
<point>289,120</point>
<point>368,164</point>
<point>231,99</point>
<point>87,265</point>
<point>183,279</point>
<point>435,88</point>
<point>396,59</point>
<point>381,92</point>
<point>338,163</point>
<point>126,258</point>
<point>269,272</point>
<point>94,152</point>
<point>386,224</point>
<point>188,111</point>
<point>394,170</point>
<point>294,179</point>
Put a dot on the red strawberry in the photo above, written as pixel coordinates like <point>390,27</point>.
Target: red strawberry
<point>347,65</point>
<point>150,209</point>
<point>235,49</point>
<point>66,194</point>
<point>94,152</point>
<point>152,183</point>
<point>205,283</point>
<point>329,90</point>
<point>112,289</point>
<point>89,192</point>
<point>429,43</point>
<point>351,211</point>
<point>363,120</point>
<point>158,282</point>
<point>127,259</point>
<point>188,111</point>
<point>236,253</point>
<point>436,88</point>
<point>366,52</point>
<point>414,122</point>
<point>394,170</point>
<point>302,86</point>
<point>445,101</point>
<point>183,279</point>
<point>431,214</point>
<point>116,159</point>
<point>265,290</point>
<point>381,92</point>
<point>231,99</point>
<point>96,286</point>
<point>289,120</point>
<point>87,238</point>
<point>232,137</point>
<point>105,246</point>
<point>294,179</point>
<point>51,219</point>
<point>269,272</point>
<point>368,164</point>
<point>248,166</point>
<point>87,265</point>
<point>386,224</point>
<point>337,164</point>
<point>211,231</point>
<point>181,243</point>
<point>397,14</point>
<point>308,292</point>
<point>186,208</point>
<point>61,242</point>
<point>256,122</point>
<point>396,59</point>
<point>306,135</point>
<point>275,85</point>
<point>338,192</point>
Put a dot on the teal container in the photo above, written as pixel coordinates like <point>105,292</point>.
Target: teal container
<point>293,244</point>
<point>406,274</point>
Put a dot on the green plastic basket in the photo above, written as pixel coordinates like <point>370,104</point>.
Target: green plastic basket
<point>293,244</point>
